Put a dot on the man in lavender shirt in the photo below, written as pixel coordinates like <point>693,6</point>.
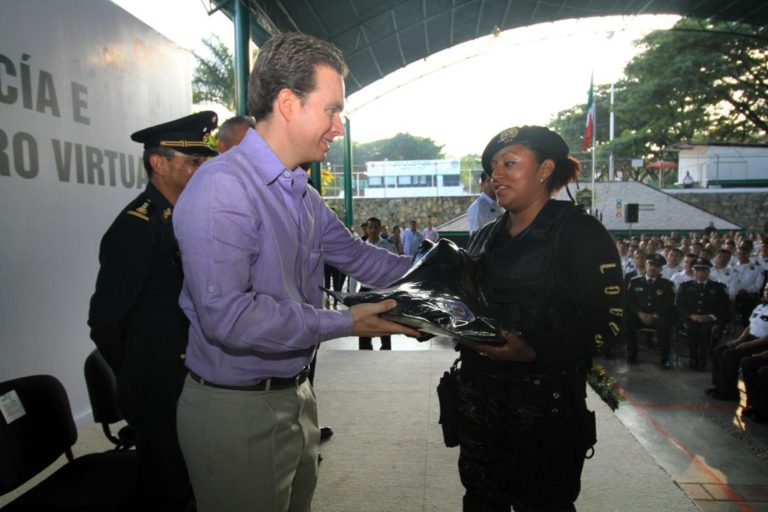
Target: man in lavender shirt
<point>254,238</point>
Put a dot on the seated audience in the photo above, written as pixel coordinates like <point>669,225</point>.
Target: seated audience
<point>727,357</point>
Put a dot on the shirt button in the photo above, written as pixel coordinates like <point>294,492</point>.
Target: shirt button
<point>211,289</point>
<point>287,174</point>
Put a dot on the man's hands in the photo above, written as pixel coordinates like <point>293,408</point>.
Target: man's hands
<point>368,323</point>
<point>515,349</point>
<point>702,319</point>
<point>646,318</point>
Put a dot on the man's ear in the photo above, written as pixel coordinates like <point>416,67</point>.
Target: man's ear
<point>159,164</point>
<point>287,103</point>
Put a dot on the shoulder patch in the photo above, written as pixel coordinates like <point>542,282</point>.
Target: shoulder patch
<point>141,211</point>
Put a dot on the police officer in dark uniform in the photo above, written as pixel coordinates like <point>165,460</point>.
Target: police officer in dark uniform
<point>651,304</point>
<point>134,316</point>
<point>703,308</point>
<point>552,276</point>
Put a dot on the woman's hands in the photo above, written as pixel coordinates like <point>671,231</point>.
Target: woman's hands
<point>515,349</point>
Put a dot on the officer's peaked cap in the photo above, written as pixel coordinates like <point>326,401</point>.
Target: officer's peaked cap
<point>187,135</point>
<point>657,259</point>
<point>702,263</point>
<point>542,140</point>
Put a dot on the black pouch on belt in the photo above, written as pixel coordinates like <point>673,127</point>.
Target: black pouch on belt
<point>449,416</point>
<point>588,428</point>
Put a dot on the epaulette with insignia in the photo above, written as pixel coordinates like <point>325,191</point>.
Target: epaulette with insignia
<point>141,211</point>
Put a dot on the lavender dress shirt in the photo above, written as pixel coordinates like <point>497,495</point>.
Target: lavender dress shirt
<point>253,238</point>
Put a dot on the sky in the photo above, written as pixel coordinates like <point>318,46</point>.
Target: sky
<point>462,96</point>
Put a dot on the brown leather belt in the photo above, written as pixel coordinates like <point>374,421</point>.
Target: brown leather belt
<point>263,385</point>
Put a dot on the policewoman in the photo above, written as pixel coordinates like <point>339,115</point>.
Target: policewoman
<point>552,276</point>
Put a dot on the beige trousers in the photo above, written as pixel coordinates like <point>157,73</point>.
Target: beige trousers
<point>250,451</point>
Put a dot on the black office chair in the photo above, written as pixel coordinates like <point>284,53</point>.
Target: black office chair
<point>102,391</point>
<point>41,431</point>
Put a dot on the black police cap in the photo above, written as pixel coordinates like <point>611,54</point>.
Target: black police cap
<point>188,134</point>
<point>657,259</point>
<point>702,263</point>
<point>540,139</point>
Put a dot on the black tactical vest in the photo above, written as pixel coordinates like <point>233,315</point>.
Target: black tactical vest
<point>519,277</point>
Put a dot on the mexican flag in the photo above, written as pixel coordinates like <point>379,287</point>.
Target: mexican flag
<point>589,130</point>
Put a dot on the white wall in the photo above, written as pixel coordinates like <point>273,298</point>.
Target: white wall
<point>715,163</point>
<point>76,79</point>
<point>658,210</point>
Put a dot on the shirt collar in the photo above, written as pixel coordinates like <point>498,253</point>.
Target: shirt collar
<point>485,197</point>
<point>265,161</point>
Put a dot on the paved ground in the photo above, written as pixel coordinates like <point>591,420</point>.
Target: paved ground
<point>718,459</point>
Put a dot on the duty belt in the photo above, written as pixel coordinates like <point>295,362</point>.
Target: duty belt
<point>263,385</point>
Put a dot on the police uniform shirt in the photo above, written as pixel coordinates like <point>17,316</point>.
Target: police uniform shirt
<point>657,297</point>
<point>667,272</point>
<point>748,276</point>
<point>134,314</point>
<point>725,276</point>
<point>708,298</point>
<point>758,321</point>
<point>626,265</point>
<point>679,278</point>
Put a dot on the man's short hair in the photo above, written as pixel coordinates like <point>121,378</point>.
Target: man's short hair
<point>374,220</point>
<point>167,153</point>
<point>227,128</point>
<point>288,61</point>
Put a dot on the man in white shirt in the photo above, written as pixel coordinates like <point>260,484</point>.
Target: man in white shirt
<point>673,266</point>
<point>686,274</point>
<point>746,282</point>
<point>722,272</point>
<point>484,209</point>
<point>430,233</point>
<point>411,239</point>
<point>373,230</point>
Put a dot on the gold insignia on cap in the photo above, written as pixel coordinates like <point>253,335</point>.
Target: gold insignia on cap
<point>184,143</point>
<point>508,135</point>
<point>167,213</point>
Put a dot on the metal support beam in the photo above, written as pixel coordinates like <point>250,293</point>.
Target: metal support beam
<point>316,176</point>
<point>347,174</point>
<point>242,57</point>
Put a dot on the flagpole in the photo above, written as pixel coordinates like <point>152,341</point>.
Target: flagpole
<point>594,143</point>
<point>594,148</point>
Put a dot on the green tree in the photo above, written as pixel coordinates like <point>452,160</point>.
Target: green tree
<point>402,146</point>
<point>699,81</point>
<point>214,76</point>
<point>471,170</point>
